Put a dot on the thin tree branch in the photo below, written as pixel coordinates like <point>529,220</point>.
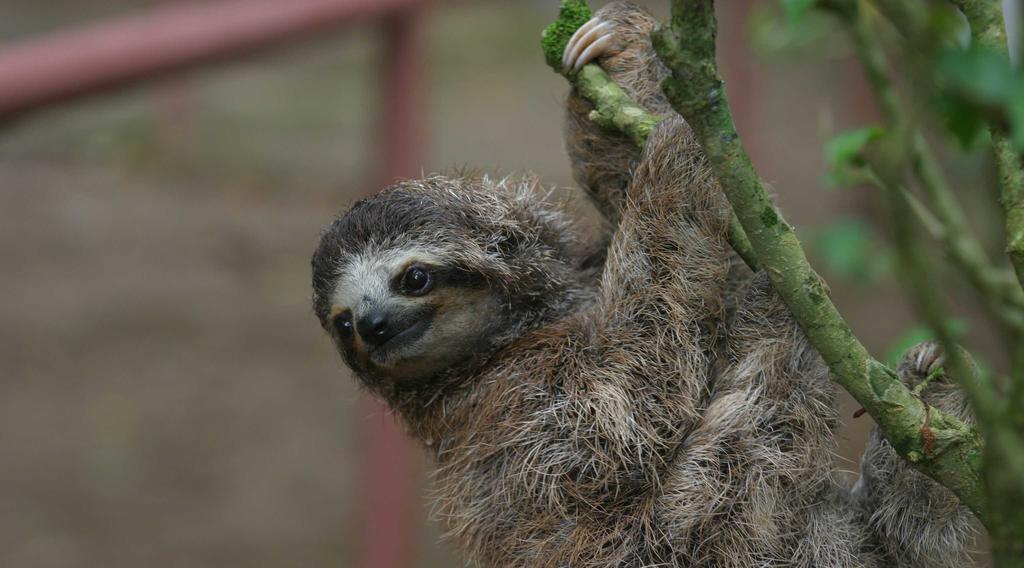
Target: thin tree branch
<point>1004,298</point>
<point>986,20</point>
<point>1005,459</point>
<point>911,18</point>
<point>696,91</point>
<point>613,108</point>
<point>1000,291</point>
<point>889,165</point>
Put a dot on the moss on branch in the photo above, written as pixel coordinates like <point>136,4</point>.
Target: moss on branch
<point>986,20</point>
<point>614,109</point>
<point>695,89</point>
<point>571,15</point>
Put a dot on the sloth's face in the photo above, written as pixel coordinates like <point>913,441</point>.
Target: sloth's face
<point>439,273</point>
<point>405,314</point>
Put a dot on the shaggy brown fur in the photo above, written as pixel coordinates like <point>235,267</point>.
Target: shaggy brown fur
<point>612,415</point>
<point>919,522</point>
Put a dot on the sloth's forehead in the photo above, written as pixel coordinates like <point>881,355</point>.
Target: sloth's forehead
<point>367,275</point>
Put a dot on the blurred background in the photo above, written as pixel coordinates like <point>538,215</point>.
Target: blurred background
<point>167,398</point>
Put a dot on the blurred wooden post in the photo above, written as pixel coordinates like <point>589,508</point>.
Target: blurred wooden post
<point>174,105</point>
<point>387,479</point>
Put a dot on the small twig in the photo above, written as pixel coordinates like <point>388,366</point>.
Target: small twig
<point>613,107</point>
<point>936,373</point>
<point>927,218</point>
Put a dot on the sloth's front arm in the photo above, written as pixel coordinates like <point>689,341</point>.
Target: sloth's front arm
<point>618,38</point>
<point>635,372</point>
<point>567,444</point>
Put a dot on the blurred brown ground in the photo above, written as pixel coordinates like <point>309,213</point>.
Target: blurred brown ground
<point>166,397</point>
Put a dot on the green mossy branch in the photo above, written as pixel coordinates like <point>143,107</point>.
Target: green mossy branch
<point>1004,462</point>
<point>695,89</point>
<point>614,109</point>
<point>687,47</point>
<point>986,20</point>
<point>1002,295</point>
<point>987,30</point>
<point>571,15</point>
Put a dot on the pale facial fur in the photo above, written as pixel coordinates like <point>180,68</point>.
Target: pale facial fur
<point>449,320</point>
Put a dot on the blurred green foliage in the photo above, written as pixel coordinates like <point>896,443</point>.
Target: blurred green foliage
<point>844,154</point>
<point>980,85</point>
<point>791,27</point>
<point>916,335</point>
<point>795,10</point>
<point>849,250</point>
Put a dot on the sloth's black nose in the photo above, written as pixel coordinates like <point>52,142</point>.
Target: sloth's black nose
<point>375,328</point>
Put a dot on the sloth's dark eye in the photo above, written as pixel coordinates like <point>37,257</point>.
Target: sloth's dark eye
<point>343,325</point>
<point>417,281</point>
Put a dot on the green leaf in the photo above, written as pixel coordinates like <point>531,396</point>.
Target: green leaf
<point>847,146</point>
<point>844,154</point>
<point>962,120</point>
<point>792,29</point>
<point>983,75</point>
<point>881,265</point>
<point>795,10</point>
<point>848,249</point>
<point>979,87</point>
<point>845,248</point>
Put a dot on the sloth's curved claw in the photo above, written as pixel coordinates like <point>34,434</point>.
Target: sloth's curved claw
<point>588,43</point>
<point>929,359</point>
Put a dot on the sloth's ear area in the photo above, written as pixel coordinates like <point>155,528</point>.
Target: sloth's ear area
<point>508,243</point>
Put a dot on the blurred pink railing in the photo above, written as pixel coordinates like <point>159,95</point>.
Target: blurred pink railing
<point>39,72</point>
<point>69,63</point>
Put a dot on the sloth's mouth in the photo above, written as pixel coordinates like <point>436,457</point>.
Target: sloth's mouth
<point>384,353</point>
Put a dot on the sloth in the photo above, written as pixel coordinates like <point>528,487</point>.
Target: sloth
<point>635,402</point>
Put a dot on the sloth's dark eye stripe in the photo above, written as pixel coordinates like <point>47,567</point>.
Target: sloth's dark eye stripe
<point>459,277</point>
